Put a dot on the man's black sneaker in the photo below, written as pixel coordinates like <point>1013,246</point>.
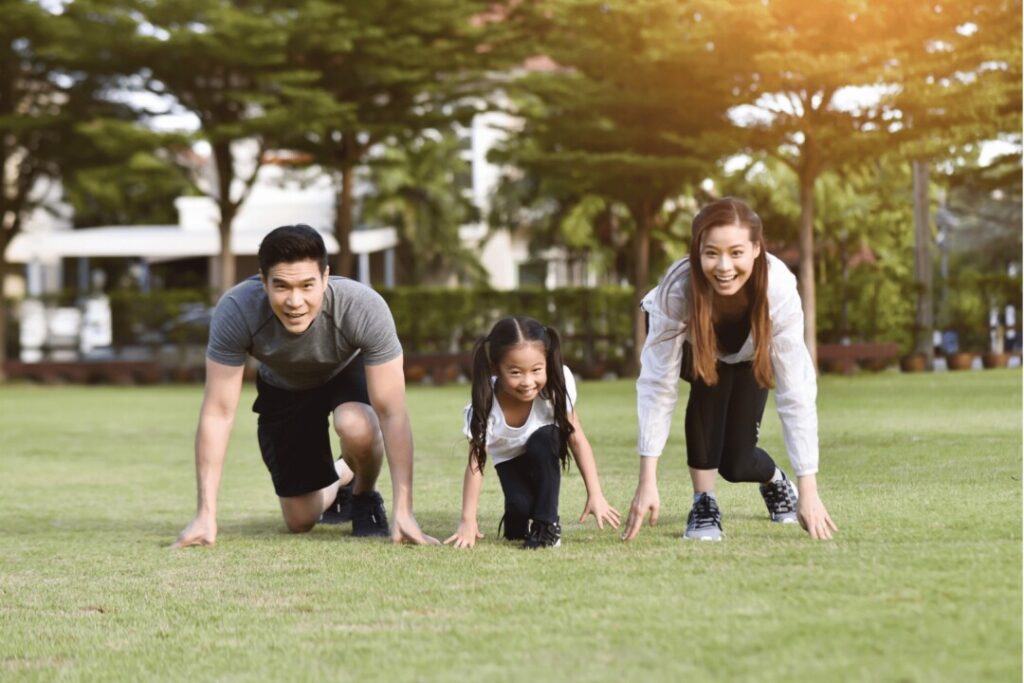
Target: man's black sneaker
<point>543,535</point>
<point>368,516</point>
<point>341,509</point>
<point>705,520</point>
<point>780,498</point>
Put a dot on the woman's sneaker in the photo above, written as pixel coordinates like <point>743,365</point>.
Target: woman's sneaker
<point>368,515</point>
<point>705,520</point>
<point>780,498</point>
<point>544,535</point>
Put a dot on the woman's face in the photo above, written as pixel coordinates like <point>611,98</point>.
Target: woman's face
<point>727,258</point>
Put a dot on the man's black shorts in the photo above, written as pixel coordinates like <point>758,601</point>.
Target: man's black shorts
<point>295,429</point>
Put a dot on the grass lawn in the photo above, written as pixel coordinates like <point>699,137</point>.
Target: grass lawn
<point>923,583</point>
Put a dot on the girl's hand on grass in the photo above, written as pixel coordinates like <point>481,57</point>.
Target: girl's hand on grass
<point>465,536</point>
<point>646,500</point>
<point>201,531</point>
<point>602,511</point>
<point>814,517</point>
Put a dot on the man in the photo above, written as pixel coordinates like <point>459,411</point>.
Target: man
<point>328,349</point>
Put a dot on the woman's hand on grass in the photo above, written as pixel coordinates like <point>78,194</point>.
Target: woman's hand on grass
<point>646,500</point>
<point>465,536</point>
<point>602,511</point>
<point>200,531</point>
<point>811,512</point>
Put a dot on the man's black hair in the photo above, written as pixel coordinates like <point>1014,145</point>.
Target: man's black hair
<point>289,244</point>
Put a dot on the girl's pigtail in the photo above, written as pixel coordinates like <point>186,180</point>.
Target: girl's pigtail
<point>558,394</point>
<point>482,399</point>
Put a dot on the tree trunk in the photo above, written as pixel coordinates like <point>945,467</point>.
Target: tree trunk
<point>806,274</point>
<point>3,320</point>
<point>924,323</point>
<point>227,256</point>
<point>5,238</point>
<point>224,162</point>
<point>641,273</point>
<point>343,222</point>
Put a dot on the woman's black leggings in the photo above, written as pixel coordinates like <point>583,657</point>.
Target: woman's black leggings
<point>531,483</point>
<point>722,423</point>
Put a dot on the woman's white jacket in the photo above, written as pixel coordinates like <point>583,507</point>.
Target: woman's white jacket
<point>796,385</point>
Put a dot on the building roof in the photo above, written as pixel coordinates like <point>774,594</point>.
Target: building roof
<point>165,243</point>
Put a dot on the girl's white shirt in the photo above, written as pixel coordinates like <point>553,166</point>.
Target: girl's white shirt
<point>796,383</point>
<point>505,442</point>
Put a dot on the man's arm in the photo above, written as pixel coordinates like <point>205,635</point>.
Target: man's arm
<point>216,419</point>
<point>386,386</point>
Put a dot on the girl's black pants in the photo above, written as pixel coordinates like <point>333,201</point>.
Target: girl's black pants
<point>531,483</point>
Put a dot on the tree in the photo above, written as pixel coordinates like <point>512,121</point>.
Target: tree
<point>120,175</point>
<point>634,111</point>
<point>48,92</point>
<point>225,62</point>
<point>392,70</point>
<point>959,88</point>
<point>863,242</point>
<point>829,88</point>
<point>420,189</point>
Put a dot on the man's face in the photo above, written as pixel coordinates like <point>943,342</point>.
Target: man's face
<point>296,293</point>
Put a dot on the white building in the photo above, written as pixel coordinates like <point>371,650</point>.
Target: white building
<point>277,198</point>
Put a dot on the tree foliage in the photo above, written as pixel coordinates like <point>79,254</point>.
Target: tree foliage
<point>421,190</point>
<point>50,95</point>
<point>834,84</point>
<point>387,72</point>
<point>633,109</point>
<point>225,62</point>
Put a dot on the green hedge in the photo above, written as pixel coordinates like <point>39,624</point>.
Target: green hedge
<point>594,323</point>
<point>134,315</point>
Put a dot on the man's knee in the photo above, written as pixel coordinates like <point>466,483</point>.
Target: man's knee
<point>299,526</point>
<point>358,428</point>
<point>301,513</point>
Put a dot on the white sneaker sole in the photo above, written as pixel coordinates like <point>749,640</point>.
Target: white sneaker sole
<point>701,538</point>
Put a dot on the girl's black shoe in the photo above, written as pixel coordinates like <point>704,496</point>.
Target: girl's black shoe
<point>543,535</point>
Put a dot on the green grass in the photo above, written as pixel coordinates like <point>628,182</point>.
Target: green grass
<point>923,583</point>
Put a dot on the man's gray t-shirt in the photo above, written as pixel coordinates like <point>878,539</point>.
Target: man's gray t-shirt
<point>352,319</point>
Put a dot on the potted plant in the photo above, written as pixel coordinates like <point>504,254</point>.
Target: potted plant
<point>914,362</point>
<point>995,359</point>
<point>960,360</point>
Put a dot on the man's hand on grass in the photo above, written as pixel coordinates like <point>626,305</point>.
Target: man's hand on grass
<point>200,531</point>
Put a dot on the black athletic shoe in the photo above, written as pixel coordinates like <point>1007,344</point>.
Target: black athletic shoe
<point>341,509</point>
<point>368,515</point>
<point>543,535</point>
<point>704,522</point>
<point>780,498</point>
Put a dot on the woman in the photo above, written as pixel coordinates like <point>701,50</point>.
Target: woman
<point>728,319</point>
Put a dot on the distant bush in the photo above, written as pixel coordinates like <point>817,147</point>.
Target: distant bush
<point>594,323</point>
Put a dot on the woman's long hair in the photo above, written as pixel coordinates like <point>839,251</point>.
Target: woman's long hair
<point>725,212</point>
<point>487,355</point>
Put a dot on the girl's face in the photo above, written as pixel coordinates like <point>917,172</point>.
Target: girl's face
<point>523,371</point>
<point>727,258</point>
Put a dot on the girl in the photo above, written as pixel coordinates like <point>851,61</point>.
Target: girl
<point>522,413</point>
<point>728,319</point>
